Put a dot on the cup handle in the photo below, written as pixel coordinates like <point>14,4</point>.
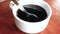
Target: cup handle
<point>12,4</point>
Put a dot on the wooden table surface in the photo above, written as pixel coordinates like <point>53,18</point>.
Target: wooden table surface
<point>7,24</point>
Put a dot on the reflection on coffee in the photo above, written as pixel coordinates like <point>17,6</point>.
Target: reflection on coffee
<point>32,9</point>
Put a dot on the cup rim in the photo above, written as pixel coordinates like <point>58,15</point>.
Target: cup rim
<point>39,21</point>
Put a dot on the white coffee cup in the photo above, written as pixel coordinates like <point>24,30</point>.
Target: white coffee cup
<point>30,27</point>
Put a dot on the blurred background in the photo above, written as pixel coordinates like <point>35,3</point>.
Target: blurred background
<point>7,24</point>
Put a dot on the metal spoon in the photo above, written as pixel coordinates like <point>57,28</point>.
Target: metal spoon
<point>22,8</point>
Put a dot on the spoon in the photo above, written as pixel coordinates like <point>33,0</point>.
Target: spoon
<point>22,8</point>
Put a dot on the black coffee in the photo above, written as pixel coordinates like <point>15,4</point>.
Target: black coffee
<point>32,9</point>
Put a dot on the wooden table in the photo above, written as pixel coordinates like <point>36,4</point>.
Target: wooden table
<point>7,24</point>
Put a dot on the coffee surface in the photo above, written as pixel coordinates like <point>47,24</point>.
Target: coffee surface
<point>33,9</point>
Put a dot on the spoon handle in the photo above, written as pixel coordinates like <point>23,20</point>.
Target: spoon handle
<point>15,2</point>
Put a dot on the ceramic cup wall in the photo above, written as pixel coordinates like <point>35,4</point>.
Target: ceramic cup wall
<point>29,27</point>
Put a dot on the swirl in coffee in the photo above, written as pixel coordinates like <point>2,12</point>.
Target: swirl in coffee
<point>37,13</point>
